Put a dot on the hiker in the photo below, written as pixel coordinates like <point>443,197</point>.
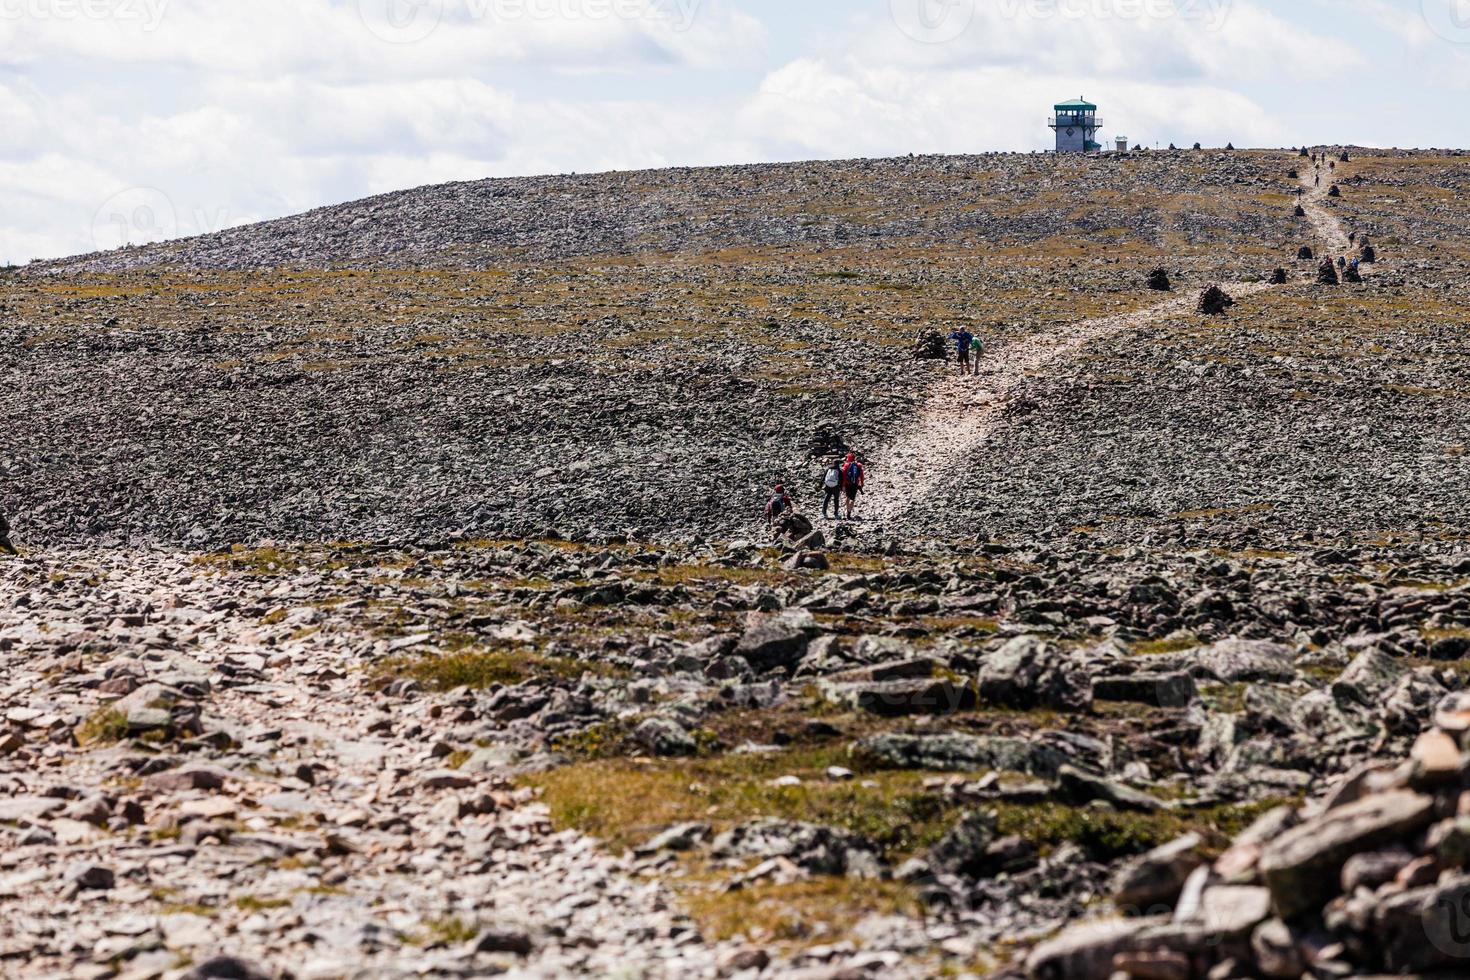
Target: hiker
<point>778,505</point>
<point>977,347</point>
<point>1341,262</point>
<point>853,477</point>
<point>962,339</point>
<point>5,544</point>
<point>832,490</point>
<point>1319,180</point>
<point>1353,264</point>
<point>1352,237</point>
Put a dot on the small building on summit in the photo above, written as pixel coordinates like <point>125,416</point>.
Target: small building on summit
<point>1076,125</point>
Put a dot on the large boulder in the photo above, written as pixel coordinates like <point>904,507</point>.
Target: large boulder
<point>949,752</point>
<point>774,641</point>
<point>1303,867</point>
<point>1152,882</point>
<point>1233,660</point>
<point>665,737</point>
<point>1028,672</point>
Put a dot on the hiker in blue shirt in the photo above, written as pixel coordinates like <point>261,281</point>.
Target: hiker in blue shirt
<point>962,339</point>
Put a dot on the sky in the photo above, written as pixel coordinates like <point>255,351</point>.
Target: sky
<point>128,121</point>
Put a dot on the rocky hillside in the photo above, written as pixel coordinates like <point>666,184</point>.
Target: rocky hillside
<point>393,598</point>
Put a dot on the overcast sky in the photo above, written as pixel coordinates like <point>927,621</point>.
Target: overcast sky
<point>130,120</point>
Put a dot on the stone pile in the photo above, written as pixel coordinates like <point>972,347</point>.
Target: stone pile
<point>1213,301</point>
<point>1158,280</point>
<point>1327,273</point>
<point>1373,878</point>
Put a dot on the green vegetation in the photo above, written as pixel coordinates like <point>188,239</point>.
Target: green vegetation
<point>820,909</point>
<point>1157,648</point>
<point>625,802</point>
<point>250,903</point>
<point>103,727</point>
<point>479,669</point>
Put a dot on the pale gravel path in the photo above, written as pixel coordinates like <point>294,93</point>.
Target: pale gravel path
<point>961,413</point>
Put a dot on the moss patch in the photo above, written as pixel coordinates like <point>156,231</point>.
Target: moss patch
<point>103,727</point>
<point>479,669</point>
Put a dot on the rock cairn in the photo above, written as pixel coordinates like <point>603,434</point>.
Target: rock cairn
<point>1278,277</point>
<point>1159,280</point>
<point>1214,301</point>
<point>1334,191</point>
<point>1327,273</point>
<point>929,345</point>
<point>1305,253</point>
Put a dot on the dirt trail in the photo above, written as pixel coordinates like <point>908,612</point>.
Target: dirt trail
<point>961,413</point>
<point>1330,231</point>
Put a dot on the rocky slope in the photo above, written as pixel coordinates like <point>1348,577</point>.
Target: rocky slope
<point>392,600</point>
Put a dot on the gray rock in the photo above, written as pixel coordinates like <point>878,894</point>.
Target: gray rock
<point>681,837</point>
<point>949,752</point>
<point>776,641</point>
<point>665,737</point>
<point>1303,866</point>
<point>1367,679</point>
<point>1155,879</point>
<point>1027,672</point>
<point>1080,787</point>
<point>818,849</point>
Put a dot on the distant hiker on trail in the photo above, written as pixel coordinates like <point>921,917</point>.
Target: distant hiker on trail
<point>1342,262</point>
<point>962,339</point>
<point>5,544</point>
<point>779,504</point>
<point>1354,264</point>
<point>1352,237</point>
<point>1319,180</point>
<point>853,477</point>
<point>832,490</point>
<point>977,348</point>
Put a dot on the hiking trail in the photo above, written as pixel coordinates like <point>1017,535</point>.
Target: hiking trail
<point>962,412</point>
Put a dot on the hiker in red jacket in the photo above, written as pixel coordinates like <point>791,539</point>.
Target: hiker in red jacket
<point>853,477</point>
<point>780,503</point>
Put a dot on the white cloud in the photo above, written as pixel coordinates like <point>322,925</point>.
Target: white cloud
<point>827,109</point>
<point>238,111</point>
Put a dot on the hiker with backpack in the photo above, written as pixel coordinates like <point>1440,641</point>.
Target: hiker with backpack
<point>962,339</point>
<point>977,347</point>
<point>780,503</point>
<point>832,490</point>
<point>853,477</point>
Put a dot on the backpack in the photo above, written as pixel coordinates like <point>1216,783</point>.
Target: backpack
<point>833,478</point>
<point>854,474</point>
<point>976,344</point>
